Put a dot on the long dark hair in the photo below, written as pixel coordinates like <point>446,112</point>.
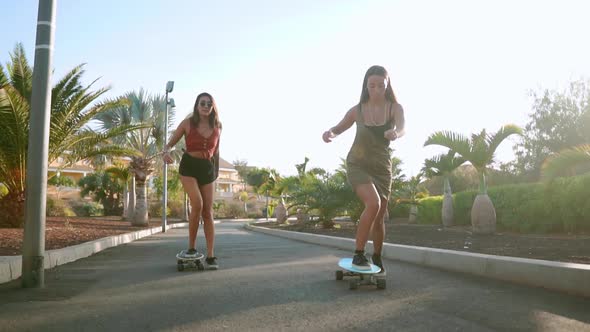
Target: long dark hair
<point>379,71</point>
<point>213,117</point>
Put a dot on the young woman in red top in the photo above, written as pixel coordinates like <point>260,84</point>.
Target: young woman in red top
<point>198,169</point>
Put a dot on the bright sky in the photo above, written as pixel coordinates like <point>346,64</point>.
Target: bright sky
<point>282,72</point>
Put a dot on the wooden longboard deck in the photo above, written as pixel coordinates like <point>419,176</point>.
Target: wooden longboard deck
<point>346,263</point>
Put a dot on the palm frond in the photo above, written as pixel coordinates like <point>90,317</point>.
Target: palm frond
<point>71,113</point>
<point>21,73</point>
<point>66,87</point>
<point>3,78</point>
<point>565,160</point>
<point>454,141</point>
<point>68,123</point>
<point>493,141</point>
<point>442,164</point>
<point>479,156</point>
<point>14,126</point>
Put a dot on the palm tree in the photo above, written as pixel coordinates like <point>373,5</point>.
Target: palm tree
<point>122,173</point>
<point>69,137</point>
<point>245,197</point>
<point>146,111</point>
<point>443,165</point>
<point>566,160</point>
<point>479,151</point>
<point>410,192</point>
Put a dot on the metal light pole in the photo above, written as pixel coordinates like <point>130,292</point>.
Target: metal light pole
<point>169,103</point>
<point>36,181</point>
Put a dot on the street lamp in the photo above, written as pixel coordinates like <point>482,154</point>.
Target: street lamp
<point>169,103</point>
<point>33,266</point>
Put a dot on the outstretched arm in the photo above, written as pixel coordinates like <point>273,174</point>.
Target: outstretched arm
<point>342,126</point>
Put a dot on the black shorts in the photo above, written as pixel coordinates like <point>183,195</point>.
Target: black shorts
<point>200,169</point>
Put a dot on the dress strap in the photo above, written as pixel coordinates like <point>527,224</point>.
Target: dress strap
<point>360,119</point>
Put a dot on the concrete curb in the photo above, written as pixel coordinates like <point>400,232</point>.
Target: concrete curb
<point>11,266</point>
<point>564,277</point>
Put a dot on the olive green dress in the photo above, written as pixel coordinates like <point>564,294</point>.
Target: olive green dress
<point>369,159</point>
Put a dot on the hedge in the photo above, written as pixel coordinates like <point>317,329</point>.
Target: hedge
<point>562,205</point>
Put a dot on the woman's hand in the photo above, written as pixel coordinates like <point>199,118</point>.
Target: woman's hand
<point>390,134</point>
<point>167,158</point>
<point>328,136</point>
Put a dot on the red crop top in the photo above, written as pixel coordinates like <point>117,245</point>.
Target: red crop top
<point>197,142</point>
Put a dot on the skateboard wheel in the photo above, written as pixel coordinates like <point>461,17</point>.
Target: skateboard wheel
<point>381,283</point>
<point>200,266</point>
<point>180,266</point>
<point>339,275</point>
<point>353,284</point>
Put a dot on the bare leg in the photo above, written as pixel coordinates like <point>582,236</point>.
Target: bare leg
<point>207,192</point>
<point>191,186</point>
<point>368,195</point>
<point>378,229</point>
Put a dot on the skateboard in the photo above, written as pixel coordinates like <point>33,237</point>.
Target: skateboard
<point>360,277</point>
<point>183,263</point>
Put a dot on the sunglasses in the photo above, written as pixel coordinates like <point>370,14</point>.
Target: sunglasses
<point>206,103</point>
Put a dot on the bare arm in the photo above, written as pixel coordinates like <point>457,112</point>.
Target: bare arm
<point>400,123</point>
<point>177,135</point>
<point>342,126</point>
<point>400,120</point>
<point>216,156</point>
<point>173,140</point>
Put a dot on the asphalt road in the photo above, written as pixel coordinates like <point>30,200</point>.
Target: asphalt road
<point>269,283</point>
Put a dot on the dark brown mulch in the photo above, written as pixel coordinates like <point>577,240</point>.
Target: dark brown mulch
<point>63,232</point>
<point>554,247</point>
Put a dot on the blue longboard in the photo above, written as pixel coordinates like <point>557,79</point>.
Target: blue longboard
<point>189,262</point>
<point>360,277</point>
<point>346,263</point>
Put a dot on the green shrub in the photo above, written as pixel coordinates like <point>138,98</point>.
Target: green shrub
<point>568,200</point>
<point>430,210</point>
<point>88,209</point>
<point>562,205</point>
<point>176,208</point>
<point>155,209</point>
<point>398,210</point>
<point>462,203</point>
<point>231,210</point>
<point>58,208</point>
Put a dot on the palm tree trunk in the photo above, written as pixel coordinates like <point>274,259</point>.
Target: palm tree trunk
<point>483,213</point>
<point>125,199</point>
<point>447,186</point>
<point>140,216</point>
<point>447,206</point>
<point>12,209</point>
<point>483,188</point>
<point>131,207</point>
<point>413,213</point>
